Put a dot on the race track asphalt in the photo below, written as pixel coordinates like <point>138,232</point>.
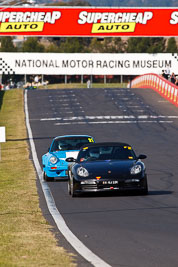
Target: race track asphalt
<point>123,230</point>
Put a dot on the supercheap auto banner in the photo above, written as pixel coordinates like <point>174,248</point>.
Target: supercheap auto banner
<point>88,21</point>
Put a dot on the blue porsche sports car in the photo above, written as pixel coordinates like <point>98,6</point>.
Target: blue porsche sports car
<point>62,147</point>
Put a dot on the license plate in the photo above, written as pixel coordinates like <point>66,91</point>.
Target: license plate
<point>110,182</point>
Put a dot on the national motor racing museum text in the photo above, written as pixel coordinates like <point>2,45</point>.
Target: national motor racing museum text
<point>92,64</point>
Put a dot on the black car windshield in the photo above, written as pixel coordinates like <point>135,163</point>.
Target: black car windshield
<point>106,153</point>
<point>70,143</point>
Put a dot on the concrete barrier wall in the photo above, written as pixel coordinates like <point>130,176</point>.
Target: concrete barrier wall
<point>162,86</point>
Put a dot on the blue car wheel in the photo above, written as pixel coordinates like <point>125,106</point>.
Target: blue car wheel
<point>47,178</point>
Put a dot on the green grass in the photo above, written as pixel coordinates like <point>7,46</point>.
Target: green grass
<point>80,85</point>
<point>26,238</point>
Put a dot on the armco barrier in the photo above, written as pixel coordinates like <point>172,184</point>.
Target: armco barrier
<point>153,81</point>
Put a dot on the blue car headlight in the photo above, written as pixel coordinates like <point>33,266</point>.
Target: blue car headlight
<point>136,169</point>
<point>53,160</point>
<point>81,171</point>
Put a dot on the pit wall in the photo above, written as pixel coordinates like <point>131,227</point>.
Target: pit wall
<point>162,86</point>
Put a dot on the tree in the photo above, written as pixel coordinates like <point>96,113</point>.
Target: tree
<point>72,45</point>
<point>52,48</point>
<point>32,45</point>
<point>156,45</point>
<point>171,45</point>
<point>107,45</point>
<point>146,45</point>
<point>7,44</point>
<point>136,45</point>
<point>134,3</point>
<point>71,3</point>
<point>79,3</point>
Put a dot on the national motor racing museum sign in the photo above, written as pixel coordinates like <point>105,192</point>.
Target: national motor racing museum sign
<point>87,64</point>
<point>88,21</point>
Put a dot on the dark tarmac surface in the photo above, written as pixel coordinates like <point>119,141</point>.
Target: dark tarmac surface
<point>123,230</point>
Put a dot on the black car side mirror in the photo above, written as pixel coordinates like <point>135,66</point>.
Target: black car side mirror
<point>70,159</point>
<point>142,156</point>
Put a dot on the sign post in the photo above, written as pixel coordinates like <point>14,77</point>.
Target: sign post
<point>2,137</point>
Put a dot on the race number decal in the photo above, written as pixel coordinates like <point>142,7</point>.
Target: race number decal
<point>90,140</point>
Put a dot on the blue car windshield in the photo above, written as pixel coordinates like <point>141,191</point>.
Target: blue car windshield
<point>70,143</point>
<point>106,153</point>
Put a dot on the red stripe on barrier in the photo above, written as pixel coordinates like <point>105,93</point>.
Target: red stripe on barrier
<point>153,81</point>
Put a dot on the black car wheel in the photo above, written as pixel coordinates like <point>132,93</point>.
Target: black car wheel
<point>69,187</point>
<point>47,178</point>
<point>145,190</point>
<point>73,193</point>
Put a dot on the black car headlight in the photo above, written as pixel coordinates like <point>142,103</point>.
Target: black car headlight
<point>136,169</point>
<point>81,171</point>
<point>53,160</point>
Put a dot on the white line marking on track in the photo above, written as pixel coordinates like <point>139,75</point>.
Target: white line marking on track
<point>63,228</point>
<point>64,100</point>
<point>122,117</point>
<point>121,94</point>
<point>133,106</point>
<point>137,106</point>
<point>109,122</point>
<point>63,96</point>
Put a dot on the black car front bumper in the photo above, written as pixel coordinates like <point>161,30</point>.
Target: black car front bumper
<point>109,185</point>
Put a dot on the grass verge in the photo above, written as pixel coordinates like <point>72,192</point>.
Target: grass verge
<point>80,85</point>
<point>25,236</point>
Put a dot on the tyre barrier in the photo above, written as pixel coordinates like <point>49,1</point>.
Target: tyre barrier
<point>162,86</point>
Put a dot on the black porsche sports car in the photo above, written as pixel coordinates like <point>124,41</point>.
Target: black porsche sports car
<point>105,167</point>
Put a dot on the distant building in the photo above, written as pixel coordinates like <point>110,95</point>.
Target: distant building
<point>18,40</point>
